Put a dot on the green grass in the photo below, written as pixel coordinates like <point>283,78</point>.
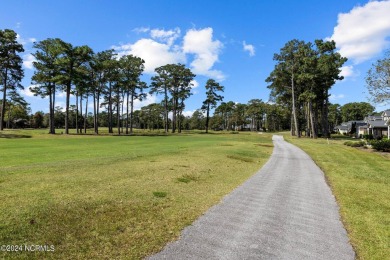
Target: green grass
<point>360,181</point>
<point>115,196</point>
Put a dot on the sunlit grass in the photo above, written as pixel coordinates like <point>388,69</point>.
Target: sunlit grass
<point>360,180</point>
<point>115,196</point>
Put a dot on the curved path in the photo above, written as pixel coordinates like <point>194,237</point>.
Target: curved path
<point>285,211</point>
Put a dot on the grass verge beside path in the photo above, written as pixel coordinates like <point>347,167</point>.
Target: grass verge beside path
<point>360,182</point>
<point>115,196</point>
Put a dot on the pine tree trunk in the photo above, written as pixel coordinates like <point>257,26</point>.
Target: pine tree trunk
<point>77,112</point>
<point>131,112</point>
<point>166,111</point>
<point>312,121</point>
<point>50,110</point>
<point>53,131</point>
<point>117,111</point>
<point>174,115</point>
<point>325,112</point>
<point>110,109</point>
<point>94,112</point>
<point>67,108</point>
<point>207,118</point>
<point>127,112</point>
<point>3,102</point>
<point>86,114</point>
<point>81,112</point>
<point>97,112</point>
<point>9,115</point>
<point>294,108</point>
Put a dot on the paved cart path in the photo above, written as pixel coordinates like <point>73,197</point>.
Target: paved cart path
<point>285,211</point>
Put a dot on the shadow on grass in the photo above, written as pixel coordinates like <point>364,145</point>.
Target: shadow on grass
<point>141,134</point>
<point>342,137</point>
<point>14,136</point>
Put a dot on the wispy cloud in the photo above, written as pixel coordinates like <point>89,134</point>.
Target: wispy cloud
<point>141,30</point>
<point>249,48</point>
<point>28,60</point>
<point>335,97</point>
<point>27,92</point>
<point>168,36</point>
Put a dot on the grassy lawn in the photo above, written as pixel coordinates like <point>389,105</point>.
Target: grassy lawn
<point>115,196</point>
<point>360,180</point>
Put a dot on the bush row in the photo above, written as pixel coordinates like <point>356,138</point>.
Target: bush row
<point>381,145</point>
<point>355,144</point>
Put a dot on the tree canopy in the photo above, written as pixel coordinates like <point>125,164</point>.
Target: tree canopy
<point>301,80</point>
<point>378,80</point>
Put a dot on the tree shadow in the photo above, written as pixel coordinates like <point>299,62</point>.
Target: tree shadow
<point>14,136</point>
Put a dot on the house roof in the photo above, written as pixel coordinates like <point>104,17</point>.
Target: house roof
<point>386,113</point>
<point>377,124</point>
<point>342,127</point>
<point>373,118</point>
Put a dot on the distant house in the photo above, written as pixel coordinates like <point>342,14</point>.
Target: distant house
<point>377,126</point>
<point>386,115</point>
<point>348,127</point>
<point>343,129</point>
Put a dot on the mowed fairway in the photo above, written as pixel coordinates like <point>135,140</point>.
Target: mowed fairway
<point>115,196</point>
<point>360,181</point>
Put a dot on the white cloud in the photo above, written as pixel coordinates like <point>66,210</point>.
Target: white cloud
<point>60,104</point>
<point>336,97</point>
<point>28,60</point>
<point>141,30</point>
<point>154,53</point>
<point>347,71</point>
<point>150,99</point>
<point>249,48</point>
<point>20,40</point>
<point>194,83</point>
<point>206,51</point>
<point>160,49</point>
<point>188,113</point>
<point>24,41</point>
<point>27,92</point>
<point>165,36</point>
<point>364,31</point>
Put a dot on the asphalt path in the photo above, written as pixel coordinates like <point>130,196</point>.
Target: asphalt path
<point>285,211</point>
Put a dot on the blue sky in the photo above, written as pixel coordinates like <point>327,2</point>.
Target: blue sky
<point>232,41</point>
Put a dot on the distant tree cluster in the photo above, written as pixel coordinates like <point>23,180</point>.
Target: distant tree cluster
<point>301,80</point>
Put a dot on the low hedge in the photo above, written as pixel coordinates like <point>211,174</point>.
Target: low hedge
<point>381,145</point>
<point>355,144</point>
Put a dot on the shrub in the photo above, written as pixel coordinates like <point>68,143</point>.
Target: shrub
<point>355,144</point>
<point>368,137</point>
<point>358,144</point>
<point>160,194</point>
<point>381,145</point>
<point>348,143</point>
<point>186,178</point>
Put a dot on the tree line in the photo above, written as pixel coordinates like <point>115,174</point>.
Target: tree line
<point>79,71</point>
<point>299,99</point>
